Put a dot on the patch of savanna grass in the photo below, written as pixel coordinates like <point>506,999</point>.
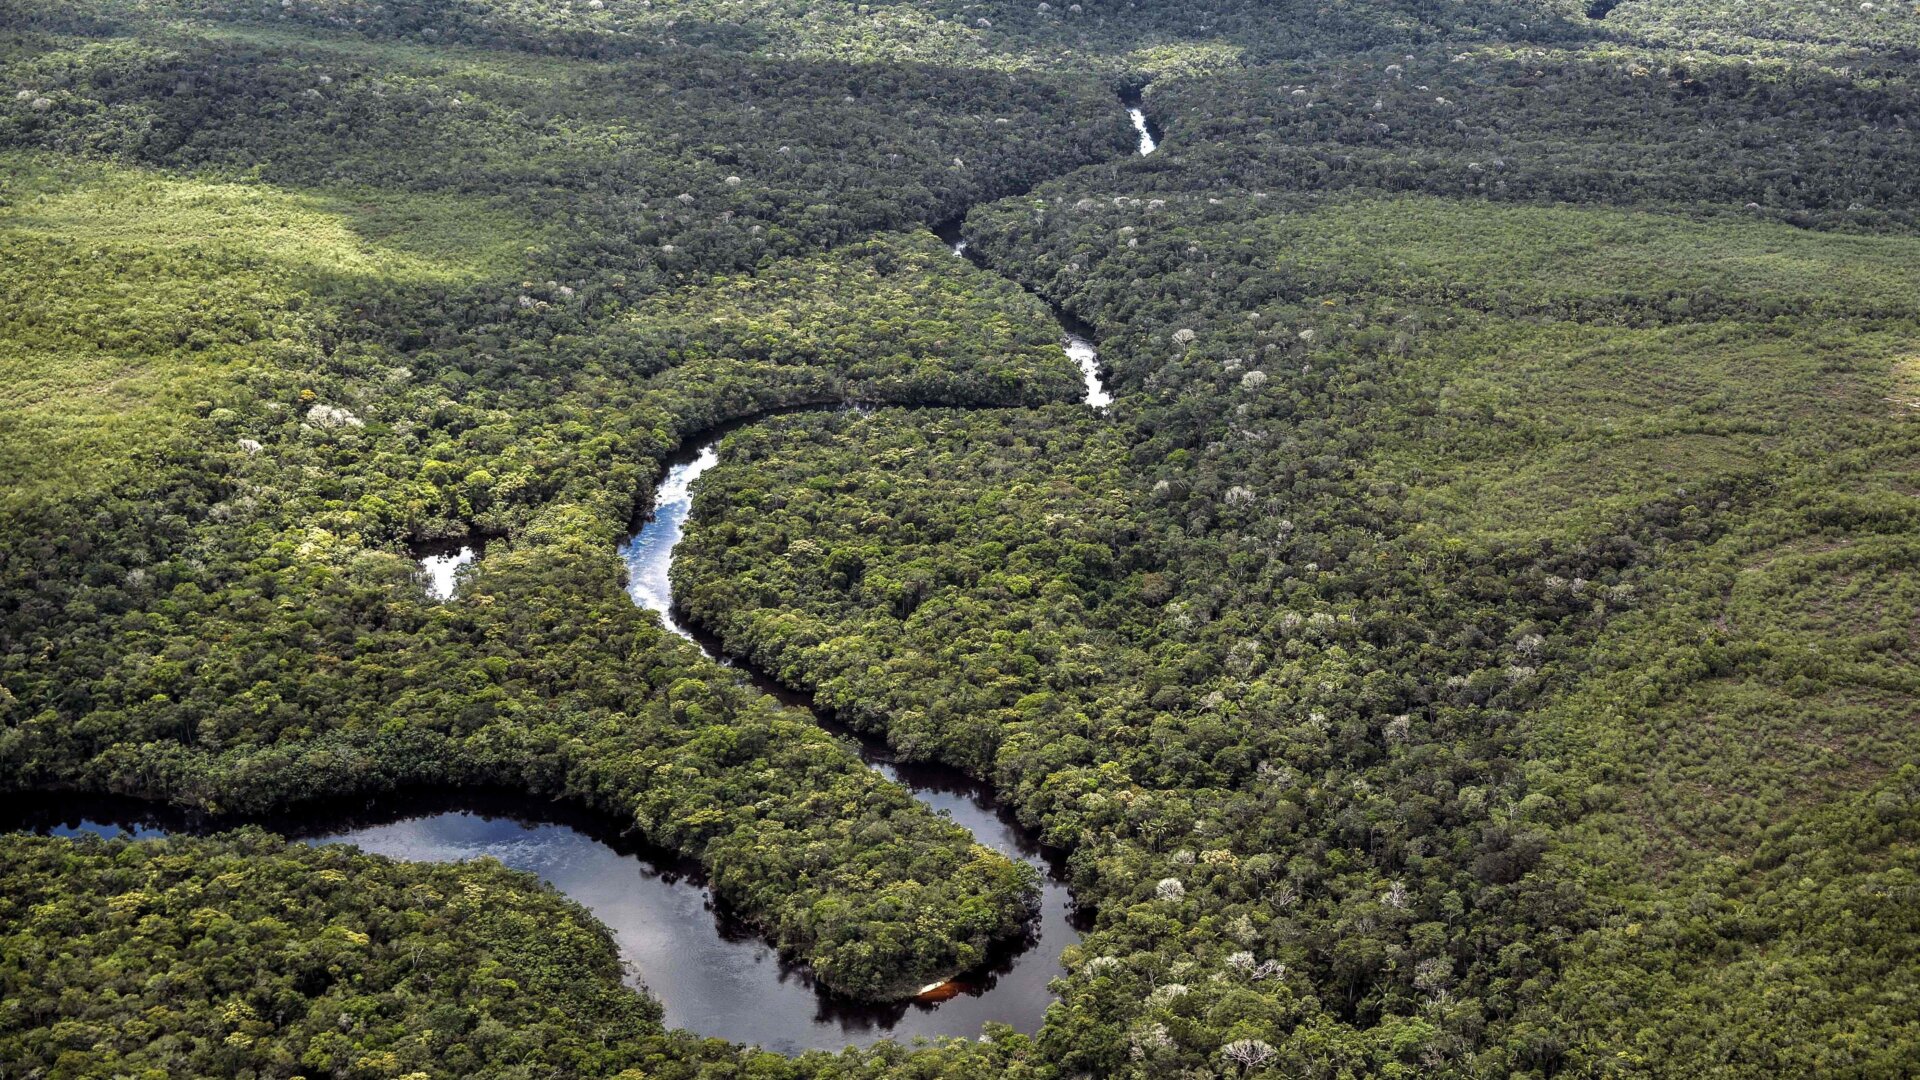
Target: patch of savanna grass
<point>464,62</point>
<point>1557,431</point>
<point>1739,754</point>
<point>1814,936</point>
<point>1596,359</point>
<point>126,296</point>
<point>1767,671</point>
<point>1903,393</point>
<point>1597,264</point>
<point>1743,743</point>
<point>1021,39</point>
<point>1615,356</point>
<point>1775,27</point>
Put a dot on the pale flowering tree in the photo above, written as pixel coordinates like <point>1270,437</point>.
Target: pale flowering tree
<point>1170,889</point>
<point>1399,728</point>
<point>1245,966</point>
<point>1249,1054</point>
<point>1149,1043</point>
<point>332,416</point>
<point>1433,974</point>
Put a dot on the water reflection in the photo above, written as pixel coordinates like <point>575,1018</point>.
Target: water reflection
<point>440,562</point>
<point>649,552</point>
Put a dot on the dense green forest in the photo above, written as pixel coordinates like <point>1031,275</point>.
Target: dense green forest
<point>1478,640</point>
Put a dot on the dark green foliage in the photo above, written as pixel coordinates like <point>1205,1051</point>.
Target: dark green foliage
<point>1475,643</point>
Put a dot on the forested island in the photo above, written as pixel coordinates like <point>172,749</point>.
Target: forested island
<point>1123,538</point>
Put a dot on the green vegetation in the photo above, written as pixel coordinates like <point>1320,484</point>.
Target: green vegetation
<point>1476,642</point>
<point>896,318</point>
<point>908,581</point>
<point>246,954</point>
<point>129,293</point>
<point>244,633</point>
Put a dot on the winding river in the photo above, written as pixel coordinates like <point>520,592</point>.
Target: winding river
<point>712,973</point>
<point>756,1002</point>
<point>1076,337</point>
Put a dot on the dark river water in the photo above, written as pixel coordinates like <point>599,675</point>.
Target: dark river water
<point>759,1001</point>
<point>713,974</point>
<point>1011,990</point>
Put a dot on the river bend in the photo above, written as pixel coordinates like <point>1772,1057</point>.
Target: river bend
<point>1013,989</point>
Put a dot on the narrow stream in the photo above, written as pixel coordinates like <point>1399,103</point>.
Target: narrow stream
<point>1148,144</point>
<point>1014,989</point>
<point>1076,337</point>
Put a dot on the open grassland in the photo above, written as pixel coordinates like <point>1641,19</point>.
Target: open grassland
<point>133,299</point>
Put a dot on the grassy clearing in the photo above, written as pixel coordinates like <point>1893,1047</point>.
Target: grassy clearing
<point>1607,357</point>
<point>1556,431</point>
<point>1605,264</point>
<point>130,294</point>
